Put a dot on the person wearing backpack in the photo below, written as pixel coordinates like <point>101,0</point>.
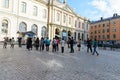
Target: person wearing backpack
<point>12,42</point>
<point>62,45</point>
<point>54,45</point>
<point>47,42</point>
<point>95,44</point>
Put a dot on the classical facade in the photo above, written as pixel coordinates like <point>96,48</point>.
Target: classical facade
<point>64,22</point>
<point>45,18</point>
<point>106,30</point>
<point>20,16</point>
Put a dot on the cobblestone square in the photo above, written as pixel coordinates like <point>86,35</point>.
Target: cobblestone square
<point>21,64</point>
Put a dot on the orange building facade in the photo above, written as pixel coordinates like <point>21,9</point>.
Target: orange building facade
<point>106,30</point>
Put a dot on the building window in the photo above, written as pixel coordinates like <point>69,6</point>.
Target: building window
<point>75,35</point>
<point>35,10</point>
<point>69,20</point>
<point>44,13</point>
<point>6,3</point>
<point>34,28</point>
<point>4,28</point>
<point>64,18</point>
<point>98,31</point>
<point>98,36</point>
<point>108,36</point>
<point>43,31</point>
<point>23,7</point>
<point>78,35</point>
<point>95,32</point>
<point>103,31</point>
<point>114,36</point>
<point>75,23</point>
<point>103,25</point>
<point>58,16</point>
<point>22,27</point>
<point>79,24</point>
<point>108,30</point>
<point>114,23</point>
<point>83,25</point>
<point>114,29</point>
<point>87,26</point>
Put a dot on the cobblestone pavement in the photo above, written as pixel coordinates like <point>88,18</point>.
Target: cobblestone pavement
<point>21,64</point>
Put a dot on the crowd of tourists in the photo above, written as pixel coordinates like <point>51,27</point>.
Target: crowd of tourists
<point>42,44</point>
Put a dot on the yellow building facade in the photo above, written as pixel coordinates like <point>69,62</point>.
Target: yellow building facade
<point>106,30</point>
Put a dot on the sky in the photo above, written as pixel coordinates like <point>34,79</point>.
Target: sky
<point>95,9</point>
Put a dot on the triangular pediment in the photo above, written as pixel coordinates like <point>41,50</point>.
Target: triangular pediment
<point>67,8</point>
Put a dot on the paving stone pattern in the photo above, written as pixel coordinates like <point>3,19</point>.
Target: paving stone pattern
<point>21,64</point>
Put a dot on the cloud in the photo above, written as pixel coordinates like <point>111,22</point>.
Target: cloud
<point>104,8</point>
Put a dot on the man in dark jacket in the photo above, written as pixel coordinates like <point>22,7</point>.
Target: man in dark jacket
<point>89,45</point>
<point>71,45</point>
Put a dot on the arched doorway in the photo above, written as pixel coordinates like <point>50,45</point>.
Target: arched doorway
<point>69,34</point>
<point>57,33</point>
<point>64,34</point>
<point>44,31</point>
<point>22,27</point>
<point>21,32</point>
<point>34,28</point>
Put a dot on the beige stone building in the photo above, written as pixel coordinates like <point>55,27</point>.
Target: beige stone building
<point>64,22</point>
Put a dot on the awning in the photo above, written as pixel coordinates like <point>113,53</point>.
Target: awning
<point>30,33</point>
<point>57,35</point>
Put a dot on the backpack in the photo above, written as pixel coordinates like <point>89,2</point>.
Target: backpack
<point>54,42</point>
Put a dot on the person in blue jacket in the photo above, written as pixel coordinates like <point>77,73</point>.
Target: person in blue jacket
<point>95,44</point>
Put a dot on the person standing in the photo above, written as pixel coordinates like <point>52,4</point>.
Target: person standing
<point>95,44</point>
<point>68,42</point>
<point>37,43</point>
<point>89,45</point>
<point>5,43</point>
<point>20,41</point>
<point>57,44</point>
<point>62,45</point>
<point>41,44</point>
<point>12,42</point>
<point>29,43</point>
<point>54,44</point>
<point>79,44</point>
<point>47,42</point>
<point>71,45</point>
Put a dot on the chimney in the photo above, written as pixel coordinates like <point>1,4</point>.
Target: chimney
<point>101,18</point>
<point>114,15</point>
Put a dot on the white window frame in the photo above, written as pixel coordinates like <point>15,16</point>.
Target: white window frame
<point>6,3</point>
<point>35,10</point>
<point>23,7</point>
